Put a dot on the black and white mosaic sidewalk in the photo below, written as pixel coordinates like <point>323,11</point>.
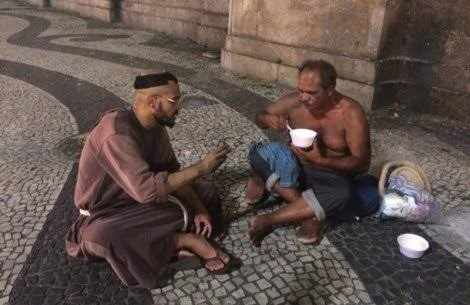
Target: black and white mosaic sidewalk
<point>58,72</point>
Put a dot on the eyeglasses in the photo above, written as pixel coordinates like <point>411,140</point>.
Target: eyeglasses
<point>173,101</point>
<point>170,100</point>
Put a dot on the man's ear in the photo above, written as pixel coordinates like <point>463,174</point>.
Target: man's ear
<point>153,102</point>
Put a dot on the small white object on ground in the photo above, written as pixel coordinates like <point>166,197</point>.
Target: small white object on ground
<point>211,55</point>
<point>412,245</point>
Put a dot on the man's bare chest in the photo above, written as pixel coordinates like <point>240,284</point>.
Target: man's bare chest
<point>330,128</point>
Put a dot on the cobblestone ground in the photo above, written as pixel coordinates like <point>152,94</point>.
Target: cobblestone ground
<point>58,72</point>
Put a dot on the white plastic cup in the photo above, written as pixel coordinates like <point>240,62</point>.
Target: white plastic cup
<point>303,137</point>
<point>412,245</point>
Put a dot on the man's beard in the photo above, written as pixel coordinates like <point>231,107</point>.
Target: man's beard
<point>316,106</point>
<point>310,105</point>
<point>168,122</point>
<point>164,120</point>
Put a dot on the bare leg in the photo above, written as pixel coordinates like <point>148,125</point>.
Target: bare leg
<point>289,194</point>
<point>184,253</point>
<point>199,245</point>
<point>295,211</point>
<point>308,233</point>
<point>254,189</point>
<point>262,225</point>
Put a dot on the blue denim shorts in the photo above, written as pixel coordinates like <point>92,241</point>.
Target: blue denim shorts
<point>275,162</point>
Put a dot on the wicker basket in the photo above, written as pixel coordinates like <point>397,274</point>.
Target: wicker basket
<point>397,160</point>
<point>408,169</point>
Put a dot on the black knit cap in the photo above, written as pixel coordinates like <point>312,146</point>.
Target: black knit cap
<point>153,80</point>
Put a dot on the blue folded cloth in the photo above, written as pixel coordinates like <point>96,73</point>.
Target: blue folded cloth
<point>401,185</point>
<point>280,159</point>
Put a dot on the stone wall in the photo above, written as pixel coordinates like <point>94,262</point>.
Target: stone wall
<point>270,38</point>
<point>203,21</point>
<point>212,31</point>
<point>98,9</point>
<point>40,3</point>
<point>413,52</point>
<point>424,59</point>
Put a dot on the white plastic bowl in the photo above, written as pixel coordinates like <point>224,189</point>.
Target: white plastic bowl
<point>303,137</point>
<point>412,245</point>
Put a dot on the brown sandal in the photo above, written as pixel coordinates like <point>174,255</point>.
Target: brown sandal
<point>227,266</point>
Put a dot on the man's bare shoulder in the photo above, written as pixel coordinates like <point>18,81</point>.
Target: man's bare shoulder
<point>350,106</point>
<point>283,104</point>
<point>288,98</point>
<point>352,112</point>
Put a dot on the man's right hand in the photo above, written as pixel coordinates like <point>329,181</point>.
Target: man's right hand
<point>213,160</point>
<point>275,121</point>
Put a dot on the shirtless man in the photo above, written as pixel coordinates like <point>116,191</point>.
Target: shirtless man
<point>340,151</point>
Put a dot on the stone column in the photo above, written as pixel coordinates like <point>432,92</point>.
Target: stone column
<point>212,30</point>
<point>424,60</point>
<point>269,39</point>
<point>411,52</point>
<point>202,21</point>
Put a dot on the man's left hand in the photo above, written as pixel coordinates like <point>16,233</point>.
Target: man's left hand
<point>202,224</point>
<point>312,157</point>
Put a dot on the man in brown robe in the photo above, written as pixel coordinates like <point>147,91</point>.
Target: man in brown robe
<point>130,188</point>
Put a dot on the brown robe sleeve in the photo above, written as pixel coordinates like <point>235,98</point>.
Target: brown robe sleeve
<point>167,153</point>
<point>121,158</point>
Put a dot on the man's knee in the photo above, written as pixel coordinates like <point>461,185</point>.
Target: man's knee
<point>289,194</point>
<point>341,199</point>
<point>99,237</point>
<point>259,166</point>
<point>253,154</point>
<point>209,196</point>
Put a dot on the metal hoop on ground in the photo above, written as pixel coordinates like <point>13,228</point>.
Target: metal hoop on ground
<point>176,201</point>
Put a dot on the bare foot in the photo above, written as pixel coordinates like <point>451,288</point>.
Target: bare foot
<point>254,190</point>
<point>213,258</point>
<point>260,227</point>
<point>185,260</point>
<point>182,254</point>
<point>218,262</point>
